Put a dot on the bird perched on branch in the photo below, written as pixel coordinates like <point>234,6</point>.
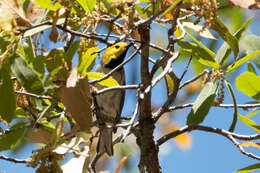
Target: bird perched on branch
<point>109,105</point>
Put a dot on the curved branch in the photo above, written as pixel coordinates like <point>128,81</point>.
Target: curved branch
<point>13,160</point>
<point>125,87</point>
<point>229,135</point>
<point>242,106</point>
<point>115,69</point>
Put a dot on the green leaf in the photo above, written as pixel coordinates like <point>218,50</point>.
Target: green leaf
<point>253,113</point>
<point>87,5</point>
<point>36,30</point>
<point>223,31</point>
<point>141,12</point>
<point>204,57</point>
<point>249,83</point>
<point>249,122</point>
<point>250,68</point>
<point>109,82</point>
<point>224,52</point>
<point>171,7</point>
<point>87,61</point>
<point>27,52</point>
<point>111,10</point>
<point>10,140</point>
<point>250,43</point>
<point>242,61</point>
<point>57,132</point>
<point>7,97</point>
<point>170,83</point>
<point>249,168</point>
<point>49,4</point>
<point>202,46</point>
<point>25,75</point>
<point>55,64</point>
<point>202,104</point>
<point>71,51</point>
<point>234,122</point>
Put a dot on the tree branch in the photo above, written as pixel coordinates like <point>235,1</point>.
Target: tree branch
<point>125,87</point>
<point>149,160</point>
<point>193,79</point>
<point>33,95</point>
<point>229,135</point>
<point>115,69</point>
<point>14,160</point>
<point>243,106</point>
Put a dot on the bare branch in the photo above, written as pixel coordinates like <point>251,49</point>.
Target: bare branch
<point>131,123</point>
<point>186,68</point>
<point>193,79</point>
<point>229,135</point>
<point>243,106</point>
<point>14,160</point>
<point>33,95</point>
<point>165,71</point>
<point>125,87</point>
<point>115,69</point>
<point>181,26</point>
<point>7,131</point>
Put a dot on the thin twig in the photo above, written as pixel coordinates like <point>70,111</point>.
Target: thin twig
<point>229,135</point>
<point>194,79</point>
<point>131,123</point>
<point>165,71</point>
<point>186,68</point>
<point>206,129</point>
<point>33,95</point>
<point>181,26</point>
<point>14,160</point>
<point>116,68</point>
<point>125,87</point>
<point>7,131</point>
<point>242,106</point>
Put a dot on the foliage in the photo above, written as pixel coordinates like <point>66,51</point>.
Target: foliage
<point>46,93</point>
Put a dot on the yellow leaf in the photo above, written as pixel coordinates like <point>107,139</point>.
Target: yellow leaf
<point>250,144</point>
<point>109,82</point>
<point>178,32</point>
<point>170,83</point>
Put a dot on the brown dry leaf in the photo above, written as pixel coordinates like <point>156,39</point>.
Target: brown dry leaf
<point>76,98</point>
<point>251,4</point>
<point>137,34</point>
<point>250,144</point>
<point>39,135</point>
<point>54,34</point>
<point>11,13</point>
<point>121,163</point>
<point>203,32</point>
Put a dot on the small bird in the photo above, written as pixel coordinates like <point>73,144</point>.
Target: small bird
<point>109,105</point>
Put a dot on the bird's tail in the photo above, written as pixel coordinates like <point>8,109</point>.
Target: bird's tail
<point>105,142</point>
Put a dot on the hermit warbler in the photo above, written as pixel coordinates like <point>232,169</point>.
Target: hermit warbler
<point>109,105</point>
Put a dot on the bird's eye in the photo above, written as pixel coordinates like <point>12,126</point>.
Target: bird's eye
<point>117,47</point>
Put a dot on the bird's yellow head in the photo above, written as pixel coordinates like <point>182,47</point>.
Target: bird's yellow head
<point>115,54</point>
